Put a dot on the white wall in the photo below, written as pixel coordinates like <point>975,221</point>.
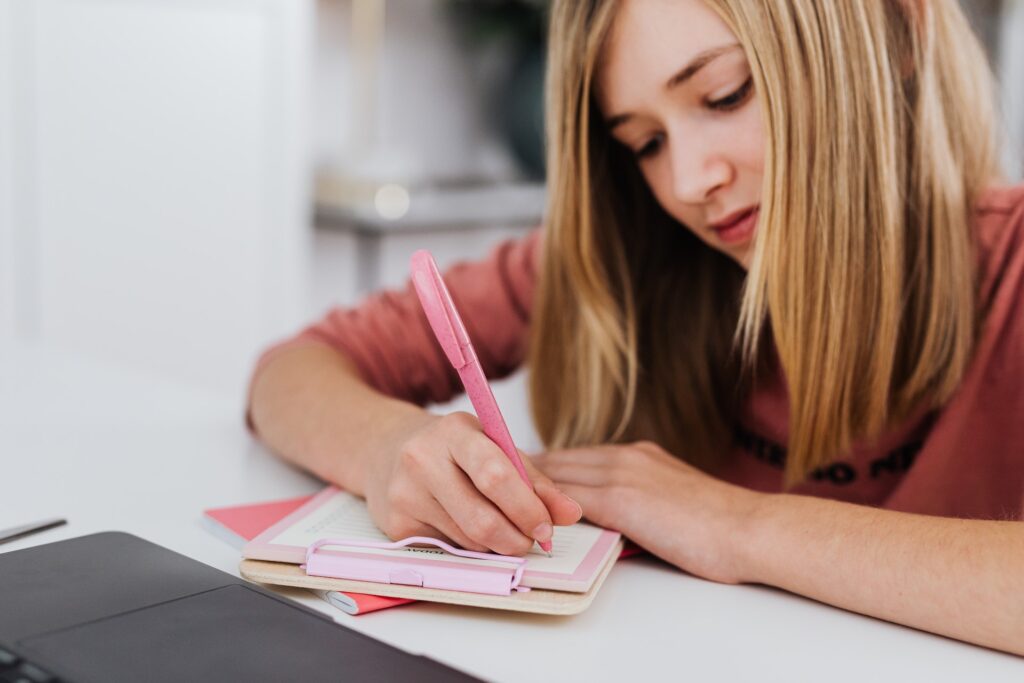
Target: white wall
<point>159,199</point>
<point>7,261</point>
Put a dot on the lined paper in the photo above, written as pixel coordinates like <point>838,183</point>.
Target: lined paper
<point>347,516</point>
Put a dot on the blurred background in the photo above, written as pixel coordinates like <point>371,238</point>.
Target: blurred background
<point>184,181</point>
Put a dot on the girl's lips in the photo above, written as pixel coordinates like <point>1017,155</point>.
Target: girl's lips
<point>740,230</point>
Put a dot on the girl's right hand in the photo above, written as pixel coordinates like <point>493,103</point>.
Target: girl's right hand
<point>443,477</point>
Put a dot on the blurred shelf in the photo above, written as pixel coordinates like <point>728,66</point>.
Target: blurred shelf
<point>378,209</point>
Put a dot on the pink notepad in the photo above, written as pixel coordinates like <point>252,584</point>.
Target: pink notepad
<point>242,523</point>
<point>580,551</point>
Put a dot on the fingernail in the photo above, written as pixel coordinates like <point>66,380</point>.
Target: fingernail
<point>543,532</point>
<point>579,507</point>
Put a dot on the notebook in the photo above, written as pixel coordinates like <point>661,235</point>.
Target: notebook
<point>582,552</point>
<point>239,524</point>
<point>564,583</point>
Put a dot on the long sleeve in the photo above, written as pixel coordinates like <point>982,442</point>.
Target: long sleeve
<point>390,342</point>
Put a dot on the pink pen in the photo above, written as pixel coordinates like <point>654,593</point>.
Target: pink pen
<point>451,333</point>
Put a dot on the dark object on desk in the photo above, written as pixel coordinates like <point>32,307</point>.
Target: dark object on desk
<point>113,607</point>
<point>29,529</point>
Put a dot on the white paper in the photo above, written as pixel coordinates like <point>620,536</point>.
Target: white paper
<point>346,516</point>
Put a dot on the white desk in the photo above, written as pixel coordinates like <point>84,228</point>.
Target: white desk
<point>110,449</point>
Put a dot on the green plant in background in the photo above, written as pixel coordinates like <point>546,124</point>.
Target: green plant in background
<point>517,102</point>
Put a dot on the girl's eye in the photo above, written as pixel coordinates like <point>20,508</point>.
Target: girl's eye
<point>735,99</point>
<point>648,149</point>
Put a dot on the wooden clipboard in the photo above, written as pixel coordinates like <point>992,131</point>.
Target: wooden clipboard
<point>537,601</point>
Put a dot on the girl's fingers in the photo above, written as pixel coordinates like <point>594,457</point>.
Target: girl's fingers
<point>476,516</point>
<point>414,527</point>
<point>587,474</point>
<point>595,504</point>
<point>429,518</point>
<point>496,478</point>
<point>444,523</point>
<point>563,509</point>
<point>577,456</point>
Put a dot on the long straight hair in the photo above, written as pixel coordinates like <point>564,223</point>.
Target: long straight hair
<point>880,133</point>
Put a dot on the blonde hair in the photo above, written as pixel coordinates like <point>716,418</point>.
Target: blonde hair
<point>880,133</point>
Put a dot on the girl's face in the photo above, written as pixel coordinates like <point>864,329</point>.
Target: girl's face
<point>675,88</point>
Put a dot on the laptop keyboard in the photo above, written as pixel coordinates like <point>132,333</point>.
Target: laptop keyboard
<point>14,669</point>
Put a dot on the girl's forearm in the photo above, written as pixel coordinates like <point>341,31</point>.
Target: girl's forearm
<point>958,578</point>
<point>310,406</point>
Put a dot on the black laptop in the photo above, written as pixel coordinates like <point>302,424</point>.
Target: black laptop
<point>112,607</point>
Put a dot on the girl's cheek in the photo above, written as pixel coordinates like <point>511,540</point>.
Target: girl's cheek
<point>751,137</point>
<point>740,140</point>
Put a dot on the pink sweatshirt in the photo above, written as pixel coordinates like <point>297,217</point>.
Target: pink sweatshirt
<point>966,461</point>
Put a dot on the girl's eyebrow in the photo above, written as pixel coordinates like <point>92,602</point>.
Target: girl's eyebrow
<point>701,60</point>
<point>698,63</point>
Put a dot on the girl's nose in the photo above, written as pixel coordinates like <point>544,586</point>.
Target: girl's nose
<point>697,170</point>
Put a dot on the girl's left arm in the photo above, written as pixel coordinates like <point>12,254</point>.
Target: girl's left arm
<point>958,578</point>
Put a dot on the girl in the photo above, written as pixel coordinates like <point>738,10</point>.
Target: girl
<point>773,320</point>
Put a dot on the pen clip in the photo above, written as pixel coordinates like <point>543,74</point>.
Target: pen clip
<point>361,567</point>
<point>405,542</point>
<point>440,310</point>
